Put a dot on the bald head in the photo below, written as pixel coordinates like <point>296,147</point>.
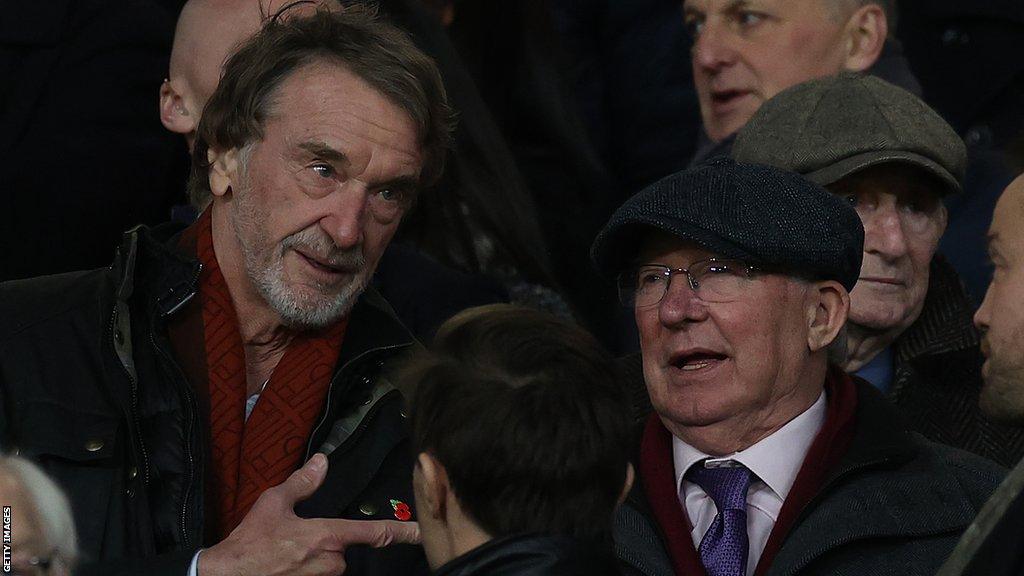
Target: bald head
<point>1001,318</point>
<point>207,34</point>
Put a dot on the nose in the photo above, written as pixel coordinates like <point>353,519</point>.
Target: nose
<point>346,218</point>
<point>984,314</point>
<point>884,234</point>
<point>712,48</point>
<point>680,303</point>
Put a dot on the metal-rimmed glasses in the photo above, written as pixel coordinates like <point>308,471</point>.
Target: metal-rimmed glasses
<point>712,280</point>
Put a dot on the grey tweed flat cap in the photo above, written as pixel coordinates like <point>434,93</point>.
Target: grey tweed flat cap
<point>759,214</point>
<point>829,128</point>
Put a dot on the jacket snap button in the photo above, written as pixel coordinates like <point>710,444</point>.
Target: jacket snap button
<point>133,472</point>
<point>368,509</point>
<point>119,337</point>
<point>94,445</point>
<point>367,400</point>
<point>404,413</point>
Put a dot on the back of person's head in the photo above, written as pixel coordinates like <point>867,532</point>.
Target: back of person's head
<point>42,528</point>
<point>525,413</point>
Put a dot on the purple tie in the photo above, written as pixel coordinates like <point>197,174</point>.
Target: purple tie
<point>723,550</point>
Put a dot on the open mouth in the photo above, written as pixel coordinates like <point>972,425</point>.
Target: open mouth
<point>697,360</point>
<point>323,265</point>
<point>725,98</point>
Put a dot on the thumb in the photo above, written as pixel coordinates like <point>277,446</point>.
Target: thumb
<point>304,481</point>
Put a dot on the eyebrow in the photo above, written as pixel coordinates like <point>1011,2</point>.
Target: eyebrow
<point>324,151</point>
<point>736,5</point>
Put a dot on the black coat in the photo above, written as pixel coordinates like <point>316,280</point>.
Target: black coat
<point>894,506</point>
<point>992,545</point>
<point>531,555</point>
<point>92,392</point>
<point>83,155</point>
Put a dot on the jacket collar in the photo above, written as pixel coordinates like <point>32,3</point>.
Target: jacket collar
<point>852,505</point>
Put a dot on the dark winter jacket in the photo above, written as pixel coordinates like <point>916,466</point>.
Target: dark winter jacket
<point>531,555</point>
<point>894,505</point>
<point>91,390</point>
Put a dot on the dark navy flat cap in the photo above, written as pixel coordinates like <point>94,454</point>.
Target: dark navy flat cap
<point>759,214</point>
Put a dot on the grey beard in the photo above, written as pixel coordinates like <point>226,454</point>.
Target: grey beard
<point>300,311</point>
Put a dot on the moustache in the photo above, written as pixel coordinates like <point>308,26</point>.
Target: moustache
<point>319,245</point>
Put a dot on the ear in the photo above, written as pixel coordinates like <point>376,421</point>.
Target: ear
<point>223,170</point>
<point>943,218</point>
<point>828,309</point>
<point>627,485</point>
<point>865,32</point>
<point>174,112</point>
<point>435,487</point>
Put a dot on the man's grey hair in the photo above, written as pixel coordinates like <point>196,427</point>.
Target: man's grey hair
<point>51,508</point>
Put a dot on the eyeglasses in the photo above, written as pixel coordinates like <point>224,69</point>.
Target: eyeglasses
<point>712,280</point>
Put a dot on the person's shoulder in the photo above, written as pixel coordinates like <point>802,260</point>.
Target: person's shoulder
<point>977,476</point>
<point>30,302</point>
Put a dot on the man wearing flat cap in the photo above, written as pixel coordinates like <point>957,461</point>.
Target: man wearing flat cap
<point>894,159</point>
<point>756,456</point>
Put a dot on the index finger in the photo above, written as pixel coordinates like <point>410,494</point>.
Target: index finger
<point>377,533</point>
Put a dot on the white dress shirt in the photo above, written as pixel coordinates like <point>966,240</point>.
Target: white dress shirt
<point>774,461</point>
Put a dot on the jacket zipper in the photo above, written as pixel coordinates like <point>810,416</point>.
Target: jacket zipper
<point>192,406</point>
<point>133,402</point>
<point>188,439</point>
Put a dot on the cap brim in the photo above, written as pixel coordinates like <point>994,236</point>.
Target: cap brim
<point>839,170</point>
<point>616,249</point>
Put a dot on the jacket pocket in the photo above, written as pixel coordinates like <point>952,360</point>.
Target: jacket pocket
<point>83,453</point>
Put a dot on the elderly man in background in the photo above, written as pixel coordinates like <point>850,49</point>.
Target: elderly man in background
<point>224,387</point>
<point>42,531</point>
<point>994,543</point>
<point>889,155</point>
<point>758,457</point>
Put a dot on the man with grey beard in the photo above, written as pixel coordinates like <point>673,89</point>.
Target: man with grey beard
<point>218,401</point>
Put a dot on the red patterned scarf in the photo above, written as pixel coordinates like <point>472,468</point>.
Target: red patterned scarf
<point>249,456</point>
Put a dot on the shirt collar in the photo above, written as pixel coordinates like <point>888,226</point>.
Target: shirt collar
<point>776,459</point>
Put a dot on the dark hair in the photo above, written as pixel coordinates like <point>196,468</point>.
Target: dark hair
<point>528,417</point>
<point>355,37</point>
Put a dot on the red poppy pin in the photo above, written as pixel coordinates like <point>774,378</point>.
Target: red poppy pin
<point>402,510</point>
